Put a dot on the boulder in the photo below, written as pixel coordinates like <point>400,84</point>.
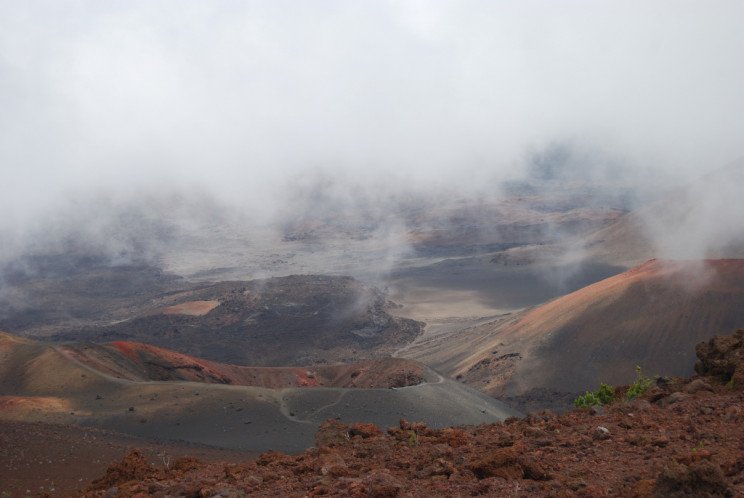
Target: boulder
<point>722,357</point>
<point>365,430</point>
<point>332,432</point>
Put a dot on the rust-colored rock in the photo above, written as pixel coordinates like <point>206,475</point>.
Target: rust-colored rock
<point>185,464</point>
<point>703,478</point>
<point>382,484</point>
<point>133,467</point>
<point>723,357</point>
<point>365,430</point>
<point>501,463</point>
<point>332,432</point>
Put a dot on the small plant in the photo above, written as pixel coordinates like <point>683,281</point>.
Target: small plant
<point>640,385</point>
<point>413,440</point>
<point>602,396</point>
<point>731,384</point>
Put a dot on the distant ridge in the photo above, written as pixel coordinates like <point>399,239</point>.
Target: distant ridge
<point>699,220</point>
<point>136,362</point>
<point>652,315</point>
<point>154,393</point>
<point>143,362</point>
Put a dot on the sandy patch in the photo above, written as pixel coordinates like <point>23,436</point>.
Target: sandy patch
<point>443,310</point>
<point>16,405</point>
<point>57,460</point>
<point>192,308</point>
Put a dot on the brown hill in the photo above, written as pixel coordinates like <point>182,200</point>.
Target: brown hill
<point>294,320</point>
<point>652,316</point>
<point>143,362</point>
<point>42,459</point>
<point>153,393</point>
<point>680,438</point>
<point>693,222</point>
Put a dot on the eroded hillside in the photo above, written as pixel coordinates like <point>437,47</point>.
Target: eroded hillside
<point>652,316</point>
<point>681,437</point>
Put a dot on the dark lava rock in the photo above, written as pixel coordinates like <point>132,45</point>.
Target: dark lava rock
<point>723,357</point>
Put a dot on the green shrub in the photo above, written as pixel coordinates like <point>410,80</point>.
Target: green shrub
<point>640,385</point>
<point>602,396</point>
<point>413,440</point>
<point>606,394</point>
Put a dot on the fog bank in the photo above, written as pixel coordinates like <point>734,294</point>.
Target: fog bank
<point>239,110</point>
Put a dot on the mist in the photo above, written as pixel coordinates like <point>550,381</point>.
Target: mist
<point>185,115</point>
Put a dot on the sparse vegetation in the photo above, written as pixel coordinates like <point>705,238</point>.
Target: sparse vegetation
<point>606,393</point>
<point>166,459</point>
<point>413,440</point>
<point>640,385</point>
<point>602,396</point>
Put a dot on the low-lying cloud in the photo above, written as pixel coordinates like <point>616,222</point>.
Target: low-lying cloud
<point>104,104</point>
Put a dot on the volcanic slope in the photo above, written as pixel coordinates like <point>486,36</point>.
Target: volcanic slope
<point>109,387</point>
<point>294,320</point>
<point>673,225</point>
<point>650,316</point>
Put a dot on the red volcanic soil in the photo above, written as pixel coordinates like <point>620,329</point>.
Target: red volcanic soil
<point>682,438</point>
<point>24,359</point>
<point>154,363</point>
<point>146,362</point>
<point>139,362</point>
<point>679,438</point>
<point>652,316</point>
<point>10,405</point>
<point>38,458</point>
<point>192,308</point>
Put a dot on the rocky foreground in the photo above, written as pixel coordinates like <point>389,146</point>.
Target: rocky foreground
<point>681,437</point>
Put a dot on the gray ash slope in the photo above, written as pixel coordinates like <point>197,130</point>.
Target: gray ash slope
<point>294,320</point>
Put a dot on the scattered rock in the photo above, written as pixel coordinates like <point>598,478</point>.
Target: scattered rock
<point>534,432</point>
<point>502,463</point>
<point>688,443</point>
<point>382,484</point>
<point>675,397</point>
<point>722,357</point>
<point>700,479</point>
<point>332,432</point>
<point>365,430</point>
<point>653,394</point>
<point>697,385</point>
<point>660,441</point>
<point>228,493</point>
<point>601,433</point>
<point>332,463</point>
<point>597,410</point>
<point>134,466</point>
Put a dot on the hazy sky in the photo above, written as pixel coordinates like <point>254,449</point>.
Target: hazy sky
<point>241,98</point>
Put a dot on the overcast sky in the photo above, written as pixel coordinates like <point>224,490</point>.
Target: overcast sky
<point>241,98</point>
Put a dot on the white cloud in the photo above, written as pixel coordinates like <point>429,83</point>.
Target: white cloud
<point>240,98</point>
